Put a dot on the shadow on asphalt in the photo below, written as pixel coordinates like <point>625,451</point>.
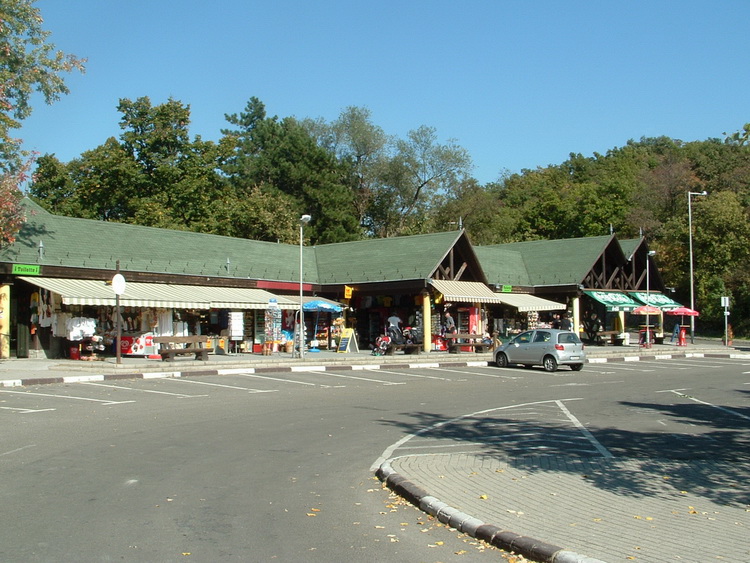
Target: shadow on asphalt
<point>710,457</point>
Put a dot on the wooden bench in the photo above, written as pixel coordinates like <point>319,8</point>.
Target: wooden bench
<point>601,337</point>
<point>460,340</point>
<point>407,348</point>
<point>171,346</point>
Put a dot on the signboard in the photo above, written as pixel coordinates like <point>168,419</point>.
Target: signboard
<point>348,341</point>
<point>118,284</point>
<point>26,269</point>
<point>348,291</point>
<point>506,289</point>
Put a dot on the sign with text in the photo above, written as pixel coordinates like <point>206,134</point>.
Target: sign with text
<point>26,269</point>
<point>348,341</point>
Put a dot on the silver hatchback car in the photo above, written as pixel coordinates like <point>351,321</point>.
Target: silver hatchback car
<point>544,347</point>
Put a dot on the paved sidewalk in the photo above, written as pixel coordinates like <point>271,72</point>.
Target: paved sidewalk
<point>599,509</point>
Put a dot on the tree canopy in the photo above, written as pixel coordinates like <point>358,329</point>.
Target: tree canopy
<point>28,63</point>
<point>357,181</point>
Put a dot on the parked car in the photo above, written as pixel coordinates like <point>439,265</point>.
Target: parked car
<point>546,347</point>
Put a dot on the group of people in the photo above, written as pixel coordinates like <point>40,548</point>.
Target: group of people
<point>449,325</point>
<point>562,322</point>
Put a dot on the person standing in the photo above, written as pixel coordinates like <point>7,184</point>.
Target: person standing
<point>394,321</point>
<point>565,323</point>
<point>449,325</point>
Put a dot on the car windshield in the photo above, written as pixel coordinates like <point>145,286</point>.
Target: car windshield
<point>568,338</point>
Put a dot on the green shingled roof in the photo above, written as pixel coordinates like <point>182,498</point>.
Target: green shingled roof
<point>388,259</point>
<point>86,243</point>
<point>546,262</point>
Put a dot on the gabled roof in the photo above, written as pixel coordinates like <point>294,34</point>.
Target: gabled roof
<point>379,260</point>
<point>85,243</point>
<point>546,262</point>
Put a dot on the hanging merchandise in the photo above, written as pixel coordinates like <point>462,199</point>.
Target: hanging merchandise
<point>272,328</point>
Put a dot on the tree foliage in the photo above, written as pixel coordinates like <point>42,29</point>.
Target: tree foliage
<point>28,63</point>
<point>356,181</point>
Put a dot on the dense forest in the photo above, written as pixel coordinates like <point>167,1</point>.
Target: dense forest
<point>358,182</point>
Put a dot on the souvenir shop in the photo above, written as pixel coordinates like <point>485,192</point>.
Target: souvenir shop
<point>82,325</point>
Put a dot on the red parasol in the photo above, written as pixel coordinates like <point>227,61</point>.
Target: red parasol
<point>683,311</point>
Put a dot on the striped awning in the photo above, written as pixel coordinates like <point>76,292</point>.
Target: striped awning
<point>613,300</point>
<point>656,299</point>
<point>525,302</point>
<point>465,292</point>
<point>167,296</point>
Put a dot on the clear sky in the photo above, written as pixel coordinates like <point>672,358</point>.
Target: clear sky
<point>519,84</point>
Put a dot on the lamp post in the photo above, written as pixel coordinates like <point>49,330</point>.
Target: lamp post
<point>304,220</point>
<point>648,297</point>
<point>690,244</point>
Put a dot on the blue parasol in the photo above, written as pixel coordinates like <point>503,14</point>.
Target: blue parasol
<point>318,306</point>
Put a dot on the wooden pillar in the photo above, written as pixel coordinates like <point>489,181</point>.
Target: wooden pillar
<point>427,322</point>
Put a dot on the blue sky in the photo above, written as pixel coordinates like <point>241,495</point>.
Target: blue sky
<point>519,84</point>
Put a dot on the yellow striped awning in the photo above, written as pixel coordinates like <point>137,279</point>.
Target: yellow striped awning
<point>161,295</point>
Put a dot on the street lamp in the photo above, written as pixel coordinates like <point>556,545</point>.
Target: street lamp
<point>304,220</point>
<point>648,297</point>
<point>690,242</point>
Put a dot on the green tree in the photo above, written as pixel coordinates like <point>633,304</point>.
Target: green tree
<point>415,183</point>
<point>155,175</point>
<point>28,63</point>
<point>282,157</point>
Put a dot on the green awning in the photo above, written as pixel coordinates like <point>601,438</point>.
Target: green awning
<point>655,299</point>
<point>614,301</point>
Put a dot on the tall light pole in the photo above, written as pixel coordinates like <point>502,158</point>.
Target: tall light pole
<point>304,220</point>
<point>648,297</point>
<point>690,241</point>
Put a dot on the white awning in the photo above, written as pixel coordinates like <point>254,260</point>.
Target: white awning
<point>168,296</point>
<point>525,302</point>
<point>465,292</point>
<point>477,292</point>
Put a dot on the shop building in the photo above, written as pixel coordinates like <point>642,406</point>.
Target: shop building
<point>55,286</point>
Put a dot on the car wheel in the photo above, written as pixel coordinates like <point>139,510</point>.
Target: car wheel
<point>576,367</point>
<point>501,360</point>
<point>549,363</point>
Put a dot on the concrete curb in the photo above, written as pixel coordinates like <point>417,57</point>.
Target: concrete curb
<point>115,374</point>
<point>530,548</point>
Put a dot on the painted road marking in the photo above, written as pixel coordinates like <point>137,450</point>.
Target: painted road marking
<point>585,431</point>
<point>723,409</point>
<point>71,397</point>
<point>137,390</point>
<point>222,385</point>
<point>329,374</point>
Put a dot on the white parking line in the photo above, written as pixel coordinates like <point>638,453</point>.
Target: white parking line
<point>275,379</point>
<point>26,411</point>
<point>494,375</point>
<point>222,385</point>
<point>137,390</point>
<point>329,374</point>
<point>18,450</point>
<point>72,397</point>
<point>585,431</point>
<point>415,375</point>
<point>723,409</point>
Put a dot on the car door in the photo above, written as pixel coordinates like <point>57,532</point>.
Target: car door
<point>540,346</point>
<point>520,352</point>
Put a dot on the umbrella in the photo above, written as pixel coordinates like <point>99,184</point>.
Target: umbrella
<point>683,311</point>
<point>646,310</point>
<point>319,306</point>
